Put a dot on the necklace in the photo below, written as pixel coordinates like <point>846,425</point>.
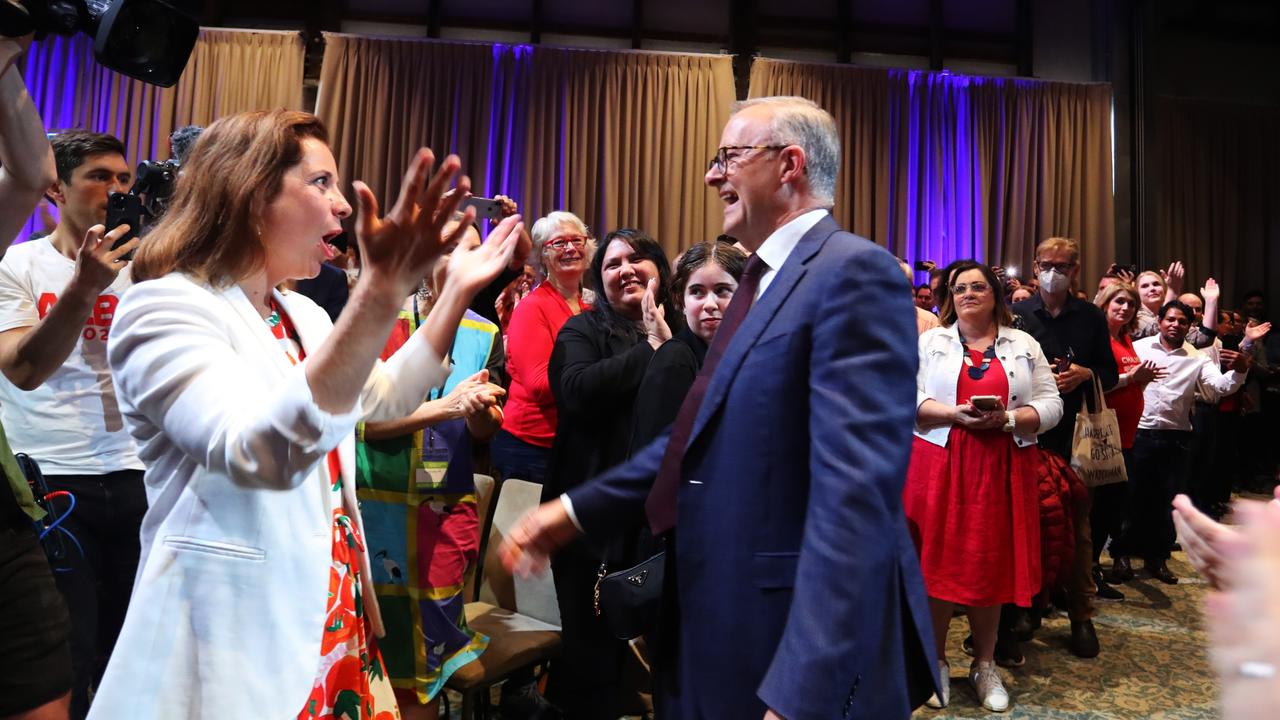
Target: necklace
<point>975,371</point>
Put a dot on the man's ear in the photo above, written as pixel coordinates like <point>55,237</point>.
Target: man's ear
<point>794,163</point>
<point>54,194</point>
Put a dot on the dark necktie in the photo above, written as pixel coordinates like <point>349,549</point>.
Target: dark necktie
<point>661,503</point>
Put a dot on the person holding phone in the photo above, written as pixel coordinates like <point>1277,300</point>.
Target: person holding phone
<point>58,296</point>
<point>984,392</point>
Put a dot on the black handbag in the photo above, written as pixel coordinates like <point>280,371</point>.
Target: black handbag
<point>629,600</point>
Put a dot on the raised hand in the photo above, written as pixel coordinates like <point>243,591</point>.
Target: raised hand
<point>1173,277</point>
<point>1255,331</point>
<point>1125,275</point>
<point>473,266</point>
<point>396,250</point>
<point>653,315</point>
<point>97,264</point>
<point>1210,291</point>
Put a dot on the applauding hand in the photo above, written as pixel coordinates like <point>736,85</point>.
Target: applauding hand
<point>396,250</point>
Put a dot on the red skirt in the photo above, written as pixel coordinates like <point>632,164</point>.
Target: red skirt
<point>972,508</point>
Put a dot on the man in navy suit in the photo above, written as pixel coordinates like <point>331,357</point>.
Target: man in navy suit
<point>795,579</point>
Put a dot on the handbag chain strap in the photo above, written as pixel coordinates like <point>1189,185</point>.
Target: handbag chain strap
<point>604,570</point>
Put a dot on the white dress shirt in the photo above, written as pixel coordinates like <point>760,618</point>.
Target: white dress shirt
<point>776,248</point>
<point>1168,401</point>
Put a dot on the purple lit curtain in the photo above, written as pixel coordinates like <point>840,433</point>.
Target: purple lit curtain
<point>942,167</point>
<point>229,71</point>
<point>620,138</point>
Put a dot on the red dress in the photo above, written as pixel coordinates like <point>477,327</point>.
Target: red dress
<point>972,508</point>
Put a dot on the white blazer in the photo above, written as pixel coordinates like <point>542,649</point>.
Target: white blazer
<point>1030,379</point>
<point>228,607</point>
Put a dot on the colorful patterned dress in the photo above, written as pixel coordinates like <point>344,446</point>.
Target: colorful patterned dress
<point>417,497</point>
<point>351,683</point>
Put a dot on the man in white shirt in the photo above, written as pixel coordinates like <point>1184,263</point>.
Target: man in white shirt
<point>57,401</point>
<point>1164,431</point>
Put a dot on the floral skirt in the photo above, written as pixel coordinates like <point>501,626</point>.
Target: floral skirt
<point>351,683</point>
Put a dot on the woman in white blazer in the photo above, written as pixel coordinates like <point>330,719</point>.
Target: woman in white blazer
<point>983,392</point>
<point>243,399</point>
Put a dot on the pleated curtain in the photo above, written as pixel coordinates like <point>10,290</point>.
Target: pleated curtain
<point>941,167</point>
<point>621,138</point>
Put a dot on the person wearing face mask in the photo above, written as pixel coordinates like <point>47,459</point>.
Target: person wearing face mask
<point>1073,334</point>
<point>596,368</point>
<point>705,279</point>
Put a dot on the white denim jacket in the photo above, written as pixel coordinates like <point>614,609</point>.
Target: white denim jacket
<point>1031,381</point>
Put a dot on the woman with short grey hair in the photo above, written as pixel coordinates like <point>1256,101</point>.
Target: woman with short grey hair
<point>562,250</point>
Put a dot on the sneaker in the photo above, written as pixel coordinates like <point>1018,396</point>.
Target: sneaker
<point>944,678</point>
<point>988,686</point>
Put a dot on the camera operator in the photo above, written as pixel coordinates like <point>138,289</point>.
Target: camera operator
<point>57,298</point>
<point>34,626</point>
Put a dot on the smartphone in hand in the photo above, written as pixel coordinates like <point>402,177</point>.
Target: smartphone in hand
<point>485,208</point>
<point>124,209</point>
<point>986,403</point>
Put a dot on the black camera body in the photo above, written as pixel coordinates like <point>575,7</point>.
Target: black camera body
<point>150,40</point>
<point>145,202</point>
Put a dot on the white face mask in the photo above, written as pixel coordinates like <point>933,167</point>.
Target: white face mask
<point>1052,281</point>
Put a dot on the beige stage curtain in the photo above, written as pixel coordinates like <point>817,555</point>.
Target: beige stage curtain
<point>624,138</point>
<point>229,71</point>
<point>1216,194</point>
<point>383,98</point>
<point>942,167</point>
<point>620,138</point>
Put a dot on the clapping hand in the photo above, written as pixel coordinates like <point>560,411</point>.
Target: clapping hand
<point>1146,372</point>
<point>1244,619</point>
<point>653,314</point>
<point>1255,331</point>
<point>472,265</point>
<point>396,250</point>
<point>1238,361</point>
<point>524,244</point>
<point>1173,277</point>
<point>473,395</point>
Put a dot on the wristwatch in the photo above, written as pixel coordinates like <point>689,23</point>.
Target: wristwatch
<point>1009,421</point>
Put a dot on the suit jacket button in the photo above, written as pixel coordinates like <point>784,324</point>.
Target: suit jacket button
<point>1010,373</point>
<point>1015,397</point>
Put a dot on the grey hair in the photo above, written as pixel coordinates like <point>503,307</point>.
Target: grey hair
<point>545,229</point>
<point>802,122</point>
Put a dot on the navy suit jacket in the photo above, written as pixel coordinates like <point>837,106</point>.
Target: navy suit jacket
<point>798,583</point>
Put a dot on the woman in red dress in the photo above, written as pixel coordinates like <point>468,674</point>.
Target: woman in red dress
<point>984,391</point>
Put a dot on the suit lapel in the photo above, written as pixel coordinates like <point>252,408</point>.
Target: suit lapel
<point>759,318</point>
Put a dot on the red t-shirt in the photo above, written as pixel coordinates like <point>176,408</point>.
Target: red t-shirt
<point>1126,401</point>
<point>530,413</point>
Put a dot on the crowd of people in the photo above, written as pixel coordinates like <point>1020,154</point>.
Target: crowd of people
<point>256,438</point>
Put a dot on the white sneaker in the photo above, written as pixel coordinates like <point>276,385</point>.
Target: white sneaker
<point>987,684</point>
<point>944,675</point>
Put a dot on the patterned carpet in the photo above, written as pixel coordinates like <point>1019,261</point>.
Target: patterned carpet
<point>1153,663</point>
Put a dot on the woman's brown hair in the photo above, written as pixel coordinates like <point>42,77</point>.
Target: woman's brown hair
<point>1110,292</point>
<point>946,306</point>
<point>236,169</point>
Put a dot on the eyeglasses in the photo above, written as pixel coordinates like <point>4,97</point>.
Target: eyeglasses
<point>1060,268</point>
<point>721,160</point>
<point>978,288</point>
<point>561,244</point>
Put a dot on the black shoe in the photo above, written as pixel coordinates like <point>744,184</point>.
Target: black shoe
<point>1084,639</point>
<point>1105,591</point>
<point>1121,571</point>
<point>1160,571</point>
<point>1007,654</point>
<point>525,703</point>
<point>1025,623</point>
